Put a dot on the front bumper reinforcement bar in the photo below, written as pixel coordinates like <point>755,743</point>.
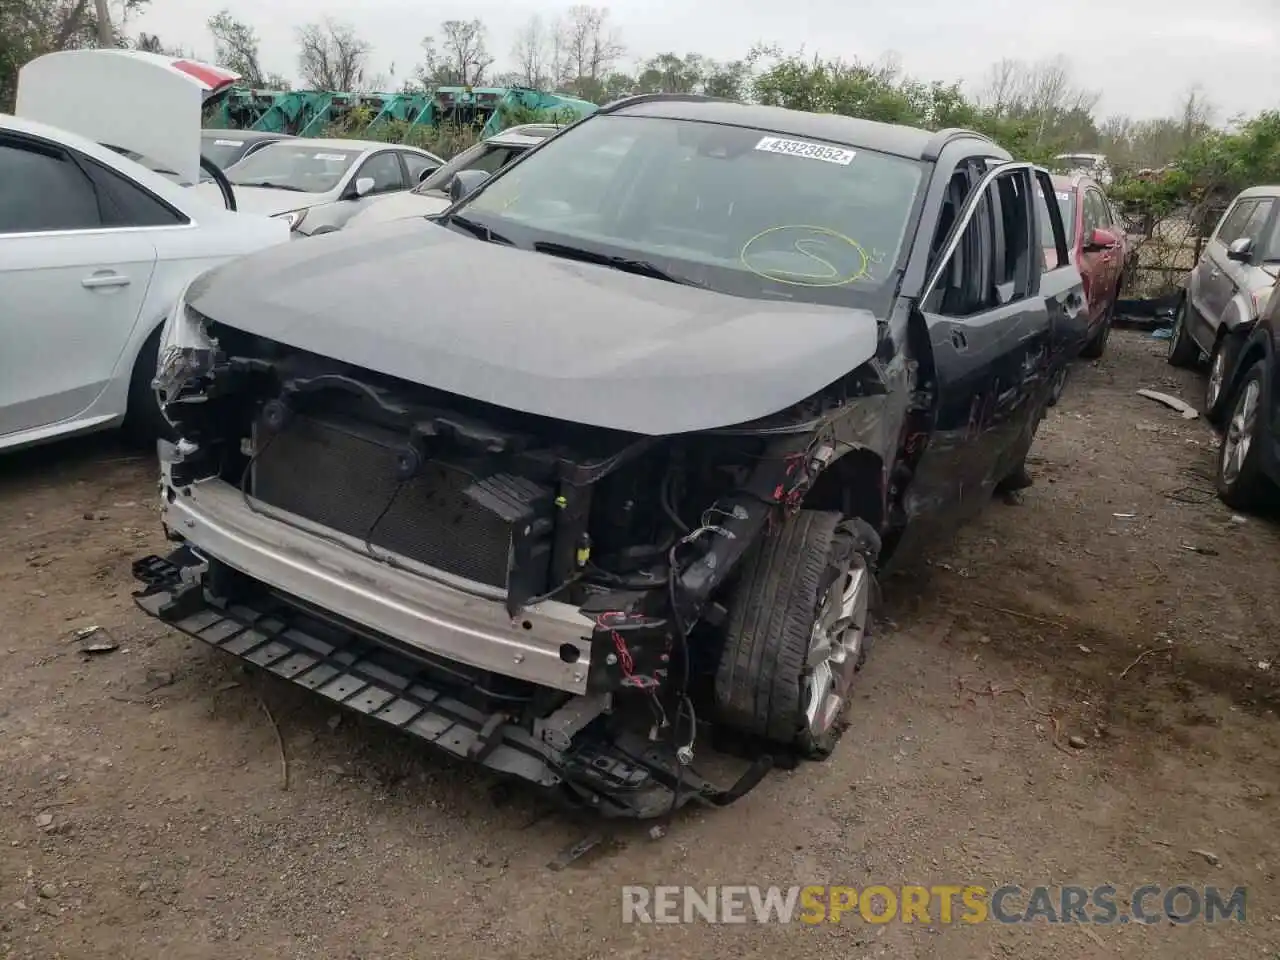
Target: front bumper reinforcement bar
<point>620,776</point>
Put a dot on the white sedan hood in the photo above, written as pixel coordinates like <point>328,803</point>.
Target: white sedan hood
<point>263,200</point>
<point>399,206</point>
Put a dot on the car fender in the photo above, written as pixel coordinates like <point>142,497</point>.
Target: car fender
<point>1239,315</point>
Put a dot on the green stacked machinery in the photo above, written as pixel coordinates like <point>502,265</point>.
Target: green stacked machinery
<point>308,113</point>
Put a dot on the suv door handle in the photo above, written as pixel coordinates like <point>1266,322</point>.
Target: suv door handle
<point>105,279</point>
<point>958,340</point>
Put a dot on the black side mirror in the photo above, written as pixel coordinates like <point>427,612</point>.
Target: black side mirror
<point>426,173</point>
<point>1241,251</point>
<point>465,183</point>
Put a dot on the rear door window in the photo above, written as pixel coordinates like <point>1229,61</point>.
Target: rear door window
<point>1095,213</point>
<point>126,204</point>
<point>1065,201</point>
<point>384,169</point>
<point>417,164</point>
<point>43,190</point>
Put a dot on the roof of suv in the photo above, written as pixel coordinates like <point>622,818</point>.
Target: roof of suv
<point>1074,181</point>
<point>904,141</point>
<point>1259,191</point>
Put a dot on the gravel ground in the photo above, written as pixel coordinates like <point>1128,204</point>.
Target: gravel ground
<point>1066,694</point>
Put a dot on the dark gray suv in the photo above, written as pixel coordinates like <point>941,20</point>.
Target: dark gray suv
<point>617,441</point>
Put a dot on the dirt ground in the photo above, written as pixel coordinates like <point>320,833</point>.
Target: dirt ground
<point>142,810</point>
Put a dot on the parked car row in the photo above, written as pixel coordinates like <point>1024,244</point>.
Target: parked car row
<point>317,185</point>
<point>1098,248</point>
<point>102,226</point>
<point>1230,315</point>
<point>95,246</point>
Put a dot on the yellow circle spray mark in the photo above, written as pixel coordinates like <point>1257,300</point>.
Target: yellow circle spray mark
<point>828,276</point>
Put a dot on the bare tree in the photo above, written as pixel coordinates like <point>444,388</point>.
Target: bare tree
<point>1196,113</point>
<point>463,57</point>
<point>591,48</point>
<point>235,46</point>
<point>557,55</point>
<point>331,56</point>
<point>1001,87</point>
<point>1042,92</point>
<point>531,51</point>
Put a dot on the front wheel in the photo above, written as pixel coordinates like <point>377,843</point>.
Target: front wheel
<point>1216,395</point>
<point>798,632</point>
<point>1241,481</point>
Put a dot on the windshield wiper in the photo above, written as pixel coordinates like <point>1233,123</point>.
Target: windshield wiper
<point>644,268</point>
<point>478,229</point>
<point>268,184</point>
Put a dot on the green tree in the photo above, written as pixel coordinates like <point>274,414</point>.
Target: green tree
<point>32,28</point>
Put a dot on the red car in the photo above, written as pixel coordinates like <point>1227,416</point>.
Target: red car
<point>1097,244</point>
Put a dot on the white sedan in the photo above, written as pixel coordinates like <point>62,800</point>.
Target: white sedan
<point>316,186</point>
<point>94,251</point>
<point>432,194</point>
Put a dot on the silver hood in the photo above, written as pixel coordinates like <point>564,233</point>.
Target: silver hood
<point>537,333</point>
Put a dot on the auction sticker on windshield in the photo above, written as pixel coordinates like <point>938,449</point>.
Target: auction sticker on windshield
<point>334,157</point>
<point>229,143</point>
<point>803,148</point>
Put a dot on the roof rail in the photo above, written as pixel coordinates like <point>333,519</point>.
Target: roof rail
<point>933,149</point>
<point>660,97</point>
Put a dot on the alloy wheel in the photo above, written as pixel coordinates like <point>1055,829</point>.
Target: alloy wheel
<point>835,648</point>
<point>1179,318</point>
<point>1217,375</point>
<point>1235,447</point>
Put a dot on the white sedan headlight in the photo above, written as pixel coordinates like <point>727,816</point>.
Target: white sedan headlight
<point>293,218</point>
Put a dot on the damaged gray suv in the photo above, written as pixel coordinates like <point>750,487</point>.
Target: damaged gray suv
<point>619,440</point>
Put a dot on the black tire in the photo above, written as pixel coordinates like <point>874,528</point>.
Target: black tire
<point>144,423</point>
<point>1217,386</point>
<point>1183,351</point>
<point>1097,345</point>
<point>761,677</point>
<point>1245,486</point>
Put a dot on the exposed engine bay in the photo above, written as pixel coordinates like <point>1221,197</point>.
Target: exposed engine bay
<point>634,540</point>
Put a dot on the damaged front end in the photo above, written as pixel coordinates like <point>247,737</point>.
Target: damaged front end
<point>535,595</point>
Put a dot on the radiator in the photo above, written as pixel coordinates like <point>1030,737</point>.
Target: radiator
<point>343,476</point>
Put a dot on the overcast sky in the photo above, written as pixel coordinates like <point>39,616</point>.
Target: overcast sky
<point>1141,54</point>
